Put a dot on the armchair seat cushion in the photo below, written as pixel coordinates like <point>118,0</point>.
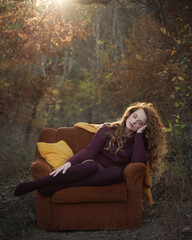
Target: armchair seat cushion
<point>111,193</point>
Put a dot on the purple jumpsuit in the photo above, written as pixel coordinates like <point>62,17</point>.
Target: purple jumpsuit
<point>133,150</point>
<point>106,167</point>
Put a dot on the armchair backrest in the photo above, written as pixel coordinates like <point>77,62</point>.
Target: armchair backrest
<point>75,137</point>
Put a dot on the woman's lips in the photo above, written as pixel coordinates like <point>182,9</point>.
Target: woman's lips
<point>131,124</point>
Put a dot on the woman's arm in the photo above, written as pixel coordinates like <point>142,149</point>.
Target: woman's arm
<point>139,152</point>
<point>92,149</point>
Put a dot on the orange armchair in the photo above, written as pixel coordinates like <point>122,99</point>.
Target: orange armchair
<point>112,207</point>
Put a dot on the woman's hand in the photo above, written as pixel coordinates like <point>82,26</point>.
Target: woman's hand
<point>142,129</point>
<point>63,168</point>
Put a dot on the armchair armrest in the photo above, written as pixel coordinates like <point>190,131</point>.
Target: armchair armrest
<point>134,176</point>
<point>40,168</point>
<point>133,171</point>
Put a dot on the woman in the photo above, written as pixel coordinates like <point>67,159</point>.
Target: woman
<point>136,137</point>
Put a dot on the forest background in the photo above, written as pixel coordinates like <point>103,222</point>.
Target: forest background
<point>62,62</point>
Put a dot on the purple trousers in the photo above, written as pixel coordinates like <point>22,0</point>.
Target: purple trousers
<point>88,173</point>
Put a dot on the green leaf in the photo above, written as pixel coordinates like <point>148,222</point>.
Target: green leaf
<point>168,129</point>
<point>100,42</point>
<point>138,56</point>
<point>180,78</point>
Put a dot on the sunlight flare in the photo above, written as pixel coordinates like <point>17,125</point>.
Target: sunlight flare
<point>61,2</point>
<point>54,2</point>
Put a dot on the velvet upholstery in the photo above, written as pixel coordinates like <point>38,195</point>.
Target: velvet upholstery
<point>116,206</point>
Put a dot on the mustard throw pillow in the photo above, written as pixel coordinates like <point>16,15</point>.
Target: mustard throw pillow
<point>56,154</point>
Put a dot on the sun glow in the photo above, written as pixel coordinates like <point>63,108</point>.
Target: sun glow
<point>53,2</point>
<point>61,2</point>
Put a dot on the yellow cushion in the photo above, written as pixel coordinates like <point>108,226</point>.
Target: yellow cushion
<point>56,154</point>
<point>148,195</point>
<point>148,176</point>
<point>88,126</point>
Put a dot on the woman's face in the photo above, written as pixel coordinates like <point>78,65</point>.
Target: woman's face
<point>136,120</point>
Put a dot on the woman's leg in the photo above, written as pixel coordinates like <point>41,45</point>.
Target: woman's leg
<point>106,176</point>
<point>74,173</point>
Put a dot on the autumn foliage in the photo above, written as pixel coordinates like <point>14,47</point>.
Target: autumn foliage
<point>63,63</point>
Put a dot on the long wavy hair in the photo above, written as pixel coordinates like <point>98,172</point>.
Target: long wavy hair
<point>154,134</point>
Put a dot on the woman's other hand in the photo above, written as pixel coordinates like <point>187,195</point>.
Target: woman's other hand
<point>63,168</point>
<point>142,129</point>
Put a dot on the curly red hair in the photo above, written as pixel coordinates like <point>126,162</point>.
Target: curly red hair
<point>154,134</point>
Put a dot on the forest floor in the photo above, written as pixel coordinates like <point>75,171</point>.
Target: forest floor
<point>170,217</point>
